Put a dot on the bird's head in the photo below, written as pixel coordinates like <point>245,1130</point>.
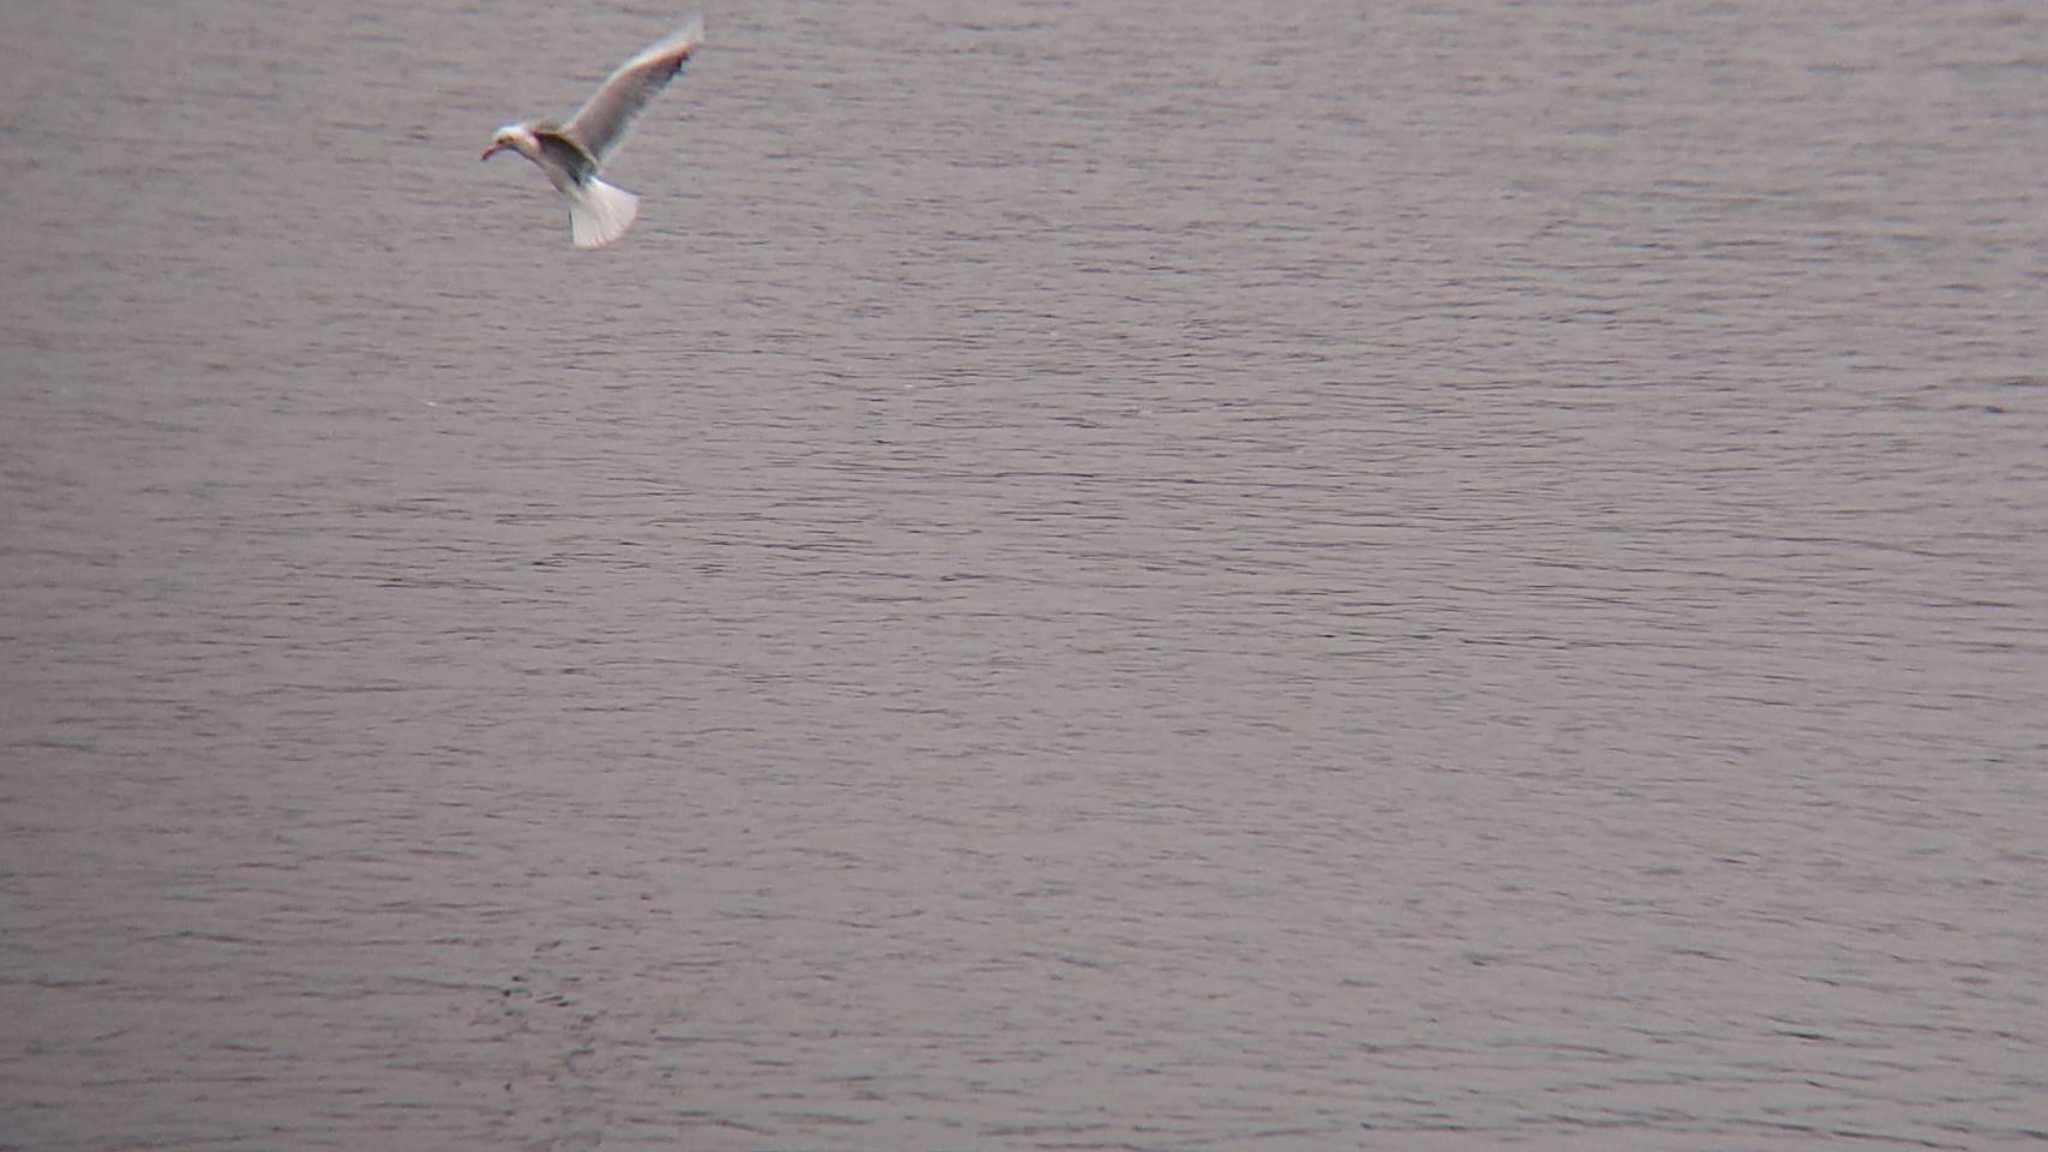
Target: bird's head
<point>518,137</point>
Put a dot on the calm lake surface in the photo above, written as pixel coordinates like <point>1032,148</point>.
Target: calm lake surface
<point>1122,575</point>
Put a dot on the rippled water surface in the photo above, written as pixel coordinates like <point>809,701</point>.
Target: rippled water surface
<point>1108,575</point>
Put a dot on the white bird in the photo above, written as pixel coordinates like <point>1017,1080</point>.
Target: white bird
<point>570,153</point>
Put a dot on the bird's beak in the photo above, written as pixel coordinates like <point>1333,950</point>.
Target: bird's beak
<point>491,151</point>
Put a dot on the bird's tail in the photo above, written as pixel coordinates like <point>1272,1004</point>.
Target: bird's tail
<point>600,213</point>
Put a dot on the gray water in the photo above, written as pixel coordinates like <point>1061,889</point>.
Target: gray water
<point>1091,576</point>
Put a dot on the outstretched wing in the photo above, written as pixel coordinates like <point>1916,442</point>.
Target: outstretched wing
<point>601,123</point>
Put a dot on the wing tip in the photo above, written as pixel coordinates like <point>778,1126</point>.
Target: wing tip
<point>678,45</point>
<point>687,37</point>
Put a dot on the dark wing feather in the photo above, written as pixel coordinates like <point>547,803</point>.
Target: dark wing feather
<point>601,123</point>
<point>565,152</point>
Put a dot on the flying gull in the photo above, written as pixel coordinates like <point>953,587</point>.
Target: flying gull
<point>570,153</point>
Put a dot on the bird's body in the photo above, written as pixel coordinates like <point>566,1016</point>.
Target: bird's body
<point>571,153</point>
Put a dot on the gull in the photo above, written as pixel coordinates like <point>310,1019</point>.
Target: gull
<point>570,153</point>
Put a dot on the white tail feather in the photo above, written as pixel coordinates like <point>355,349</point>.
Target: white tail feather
<point>600,213</point>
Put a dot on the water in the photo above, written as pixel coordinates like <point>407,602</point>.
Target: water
<point>1090,576</point>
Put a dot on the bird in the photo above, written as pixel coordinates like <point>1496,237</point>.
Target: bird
<point>570,154</point>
